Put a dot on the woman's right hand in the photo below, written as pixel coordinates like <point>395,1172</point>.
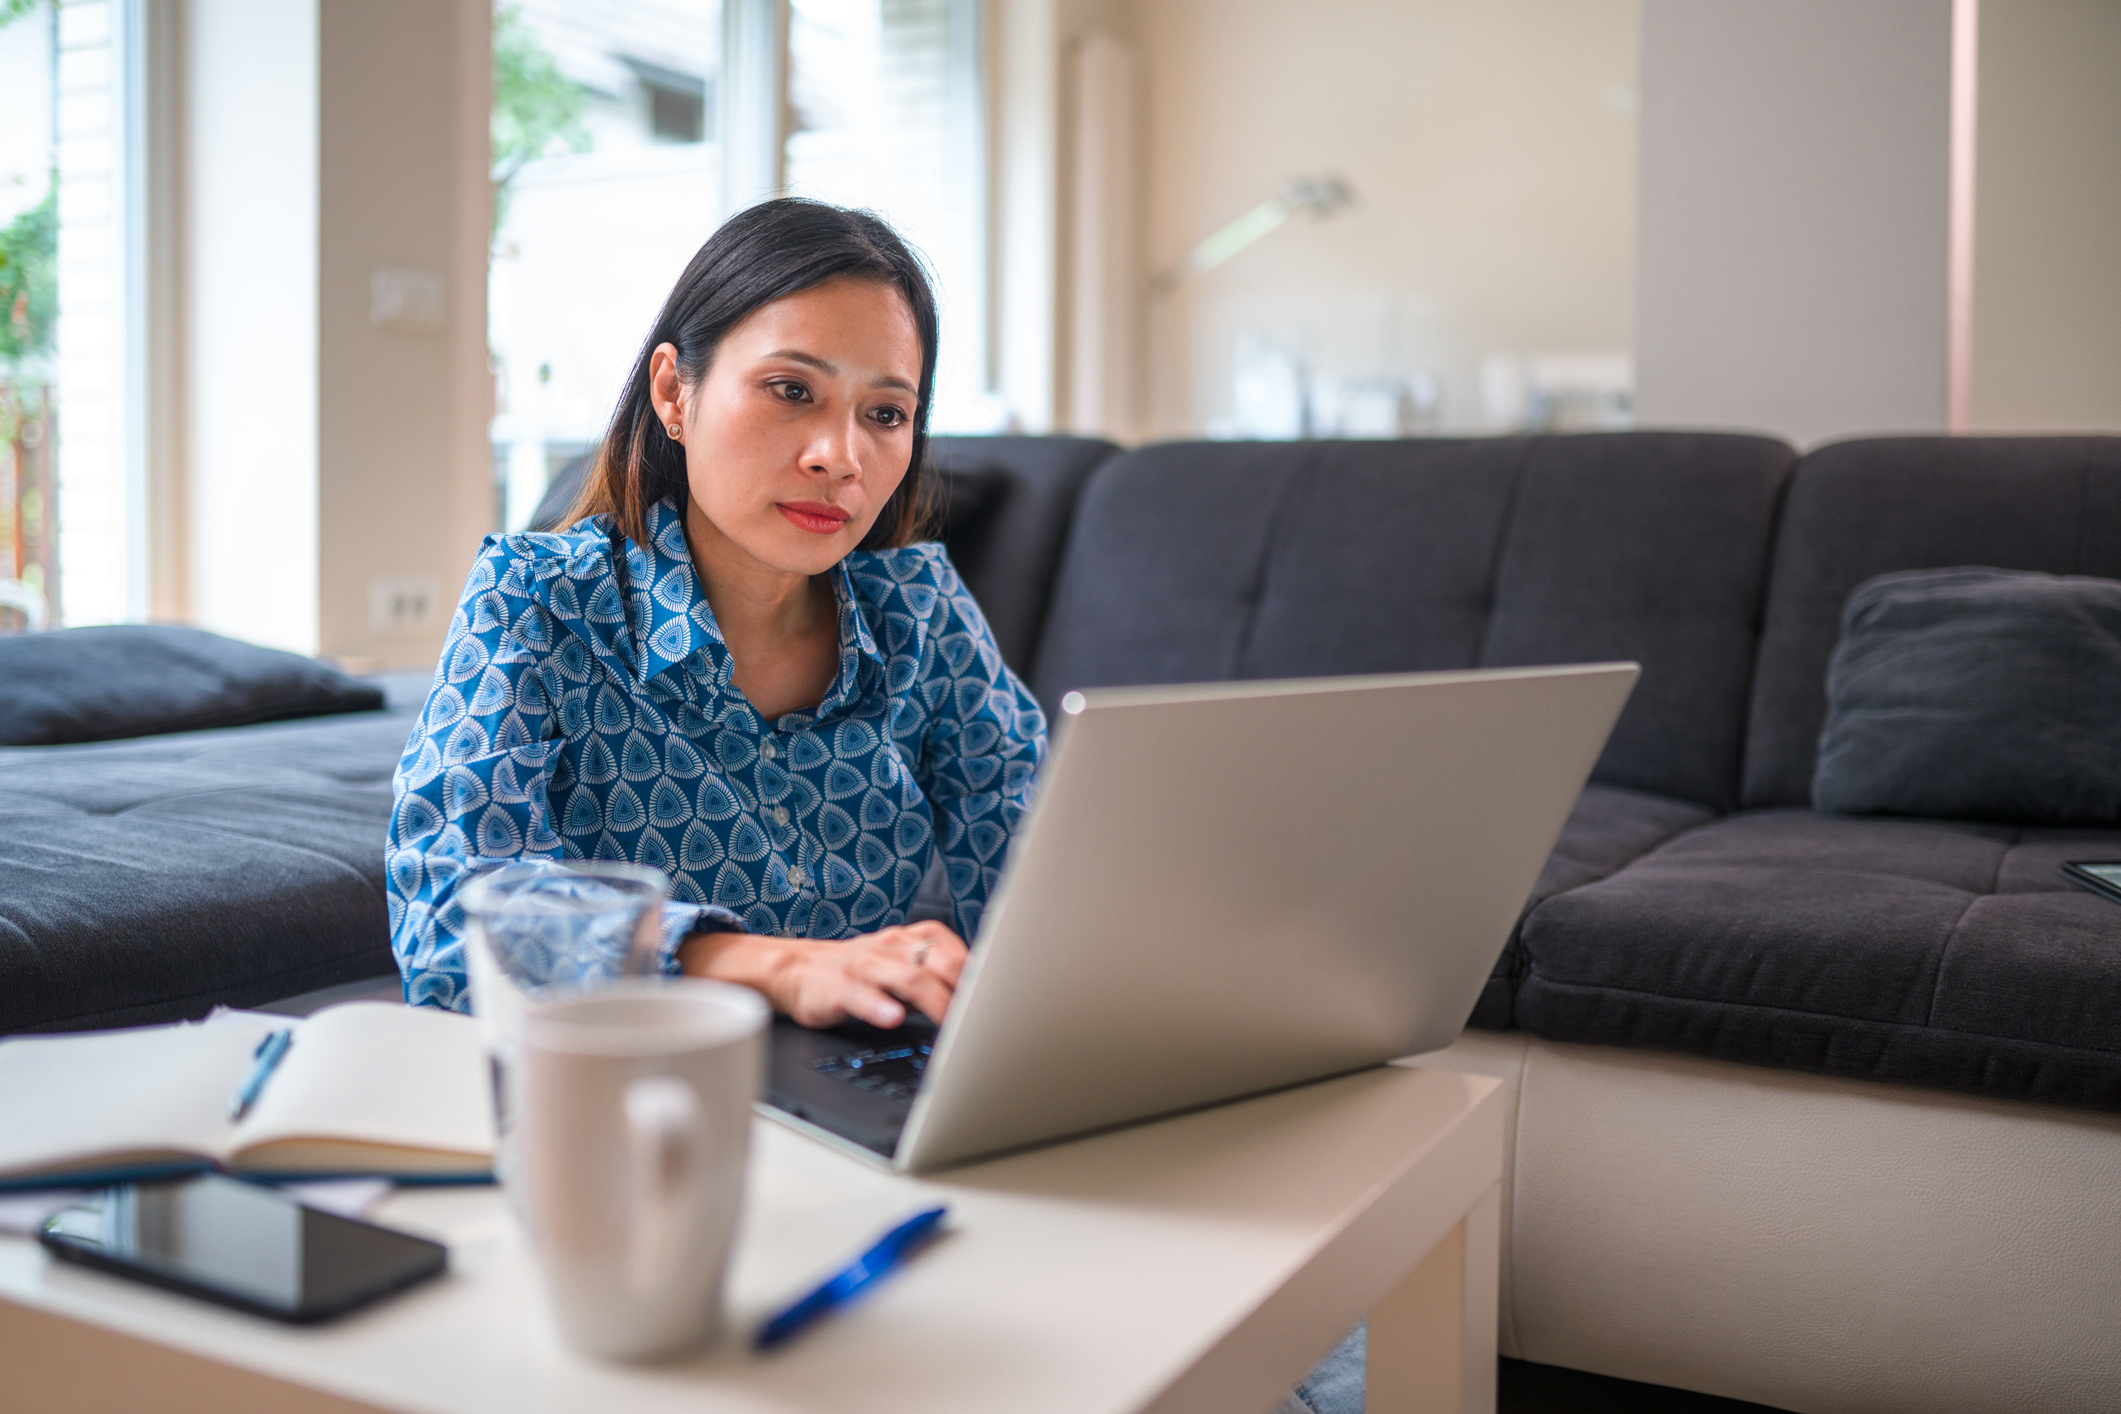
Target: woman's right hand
<point>872,977</point>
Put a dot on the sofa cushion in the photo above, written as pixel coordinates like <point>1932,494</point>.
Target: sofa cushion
<point>560,494</point>
<point>1607,828</point>
<point>150,880</point>
<point>124,680</point>
<point>1976,694</point>
<point>1942,953</point>
<point>1875,506</point>
<point>1206,561</point>
<point>1006,520</point>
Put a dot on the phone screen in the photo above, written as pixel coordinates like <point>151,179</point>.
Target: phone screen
<point>242,1244</point>
<point>2101,876</point>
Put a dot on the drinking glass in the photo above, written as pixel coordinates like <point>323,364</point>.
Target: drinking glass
<point>540,931</point>
<point>557,926</point>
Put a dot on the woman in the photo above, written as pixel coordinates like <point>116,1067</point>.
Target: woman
<point>737,667</point>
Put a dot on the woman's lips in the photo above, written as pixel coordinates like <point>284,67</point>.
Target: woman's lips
<point>817,517</point>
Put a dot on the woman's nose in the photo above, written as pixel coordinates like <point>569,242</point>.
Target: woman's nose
<point>833,450</point>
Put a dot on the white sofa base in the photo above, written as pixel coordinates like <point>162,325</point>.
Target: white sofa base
<point>1819,1245</point>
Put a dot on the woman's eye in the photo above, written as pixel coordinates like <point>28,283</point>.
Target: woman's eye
<point>891,417</point>
<point>792,392</point>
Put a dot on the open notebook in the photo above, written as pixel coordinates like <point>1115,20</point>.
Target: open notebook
<point>366,1088</point>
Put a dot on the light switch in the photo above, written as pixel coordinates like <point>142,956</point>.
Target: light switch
<point>409,301</point>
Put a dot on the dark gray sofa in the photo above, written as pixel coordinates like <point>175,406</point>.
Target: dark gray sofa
<point>1693,903</point>
<point>1205,561</point>
<point>152,879</point>
<point>1888,1049</point>
<point>1779,1084</point>
<point>1947,954</point>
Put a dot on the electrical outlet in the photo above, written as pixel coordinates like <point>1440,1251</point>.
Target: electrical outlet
<point>402,605</point>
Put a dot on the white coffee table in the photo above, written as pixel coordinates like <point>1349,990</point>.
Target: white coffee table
<point>1198,1264</point>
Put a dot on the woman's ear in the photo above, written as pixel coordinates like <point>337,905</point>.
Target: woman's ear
<point>665,390</point>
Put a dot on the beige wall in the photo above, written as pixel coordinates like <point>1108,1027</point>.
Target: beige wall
<point>1792,275</point>
<point>405,487</point>
<point>325,139</point>
<point>2047,245</point>
<point>1491,146</point>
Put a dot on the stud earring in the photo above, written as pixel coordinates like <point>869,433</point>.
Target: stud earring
<point>675,429</point>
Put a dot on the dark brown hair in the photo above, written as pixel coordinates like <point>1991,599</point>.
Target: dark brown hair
<point>768,252</point>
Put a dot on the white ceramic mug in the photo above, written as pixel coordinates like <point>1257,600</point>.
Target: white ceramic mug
<point>629,1156</point>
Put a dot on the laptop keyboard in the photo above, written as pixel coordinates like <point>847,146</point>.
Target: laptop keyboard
<point>891,1071</point>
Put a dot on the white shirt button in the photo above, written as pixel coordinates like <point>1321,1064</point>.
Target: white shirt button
<point>780,814</point>
<point>798,877</point>
<point>768,750</point>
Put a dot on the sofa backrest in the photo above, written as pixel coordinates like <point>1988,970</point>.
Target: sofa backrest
<point>1880,504</point>
<point>1195,562</point>
<point>1007,505</point>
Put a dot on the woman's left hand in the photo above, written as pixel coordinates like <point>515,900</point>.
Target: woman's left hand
<point>872,977</point>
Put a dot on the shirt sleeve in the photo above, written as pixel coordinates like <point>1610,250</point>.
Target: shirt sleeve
<point>472,789</point>
<point>981,752</point>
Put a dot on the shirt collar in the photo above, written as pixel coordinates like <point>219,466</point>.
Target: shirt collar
<point>672,623</point>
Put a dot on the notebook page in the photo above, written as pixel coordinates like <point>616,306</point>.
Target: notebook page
<point>369,1075</point>
<point>122,1096</point>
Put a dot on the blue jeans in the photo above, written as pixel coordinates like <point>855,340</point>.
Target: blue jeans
<point>1335,1384</point>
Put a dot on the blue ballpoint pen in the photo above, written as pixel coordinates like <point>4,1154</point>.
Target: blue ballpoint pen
<point>889,1253</point>
<point>269,1052</point>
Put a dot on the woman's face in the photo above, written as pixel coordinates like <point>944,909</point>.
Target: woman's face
<point>802,427</point>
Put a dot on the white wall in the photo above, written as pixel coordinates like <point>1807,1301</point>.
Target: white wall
<point>404,478</point>
<point>1024,46</point>
<point>1792,268</point>
<point>252,354</point>
<point>1491,147</point>
<point>101,527</point>
<point>2047,248</point>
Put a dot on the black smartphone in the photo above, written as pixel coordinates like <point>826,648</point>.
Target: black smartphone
<point>242,1244</point>
<point>2099,875</point>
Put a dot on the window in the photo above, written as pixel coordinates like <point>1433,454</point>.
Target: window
<point>606,180</point>
<point>677,103</point>
<point>885,113</point>
<point>71,510</point>
<point>608,175</point>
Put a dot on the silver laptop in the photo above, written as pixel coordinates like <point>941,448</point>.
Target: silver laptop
<point>1225,889</point>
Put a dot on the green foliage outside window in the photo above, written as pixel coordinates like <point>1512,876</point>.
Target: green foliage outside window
<point>29,255</point>
<point>29,279</point>
<point>534,105</point>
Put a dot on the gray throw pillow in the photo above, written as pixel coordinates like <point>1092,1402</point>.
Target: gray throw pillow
<point>94,684</point>
<point>1977,694</point>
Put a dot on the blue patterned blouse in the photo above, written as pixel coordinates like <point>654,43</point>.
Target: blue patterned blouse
<point>585,712</point>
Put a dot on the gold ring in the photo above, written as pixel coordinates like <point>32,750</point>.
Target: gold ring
<point>920,955</point>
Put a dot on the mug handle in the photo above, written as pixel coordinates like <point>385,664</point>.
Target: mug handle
<point>662,1120</point>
